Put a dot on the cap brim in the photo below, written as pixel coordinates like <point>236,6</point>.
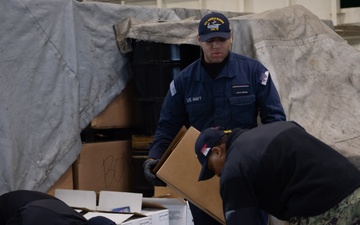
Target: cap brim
<point>205,37</point>
<point>205,173</point>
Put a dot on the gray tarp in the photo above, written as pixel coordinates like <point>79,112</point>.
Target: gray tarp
<point>317,72</point>
<point>60,66</point>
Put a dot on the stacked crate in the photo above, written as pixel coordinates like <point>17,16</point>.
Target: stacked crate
<point>105,160</point>
<point>140,150</point>
<point>155,65</point>
<point>117,141</point>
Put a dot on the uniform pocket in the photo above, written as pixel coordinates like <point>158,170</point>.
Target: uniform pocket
<point>243,110</point>
<point>199,114</point>
<point>242,100</point>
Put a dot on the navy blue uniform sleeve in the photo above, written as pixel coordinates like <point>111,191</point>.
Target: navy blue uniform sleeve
<point>172,118</point>
<point>240,203</point>
<point>268,100</point>
<point>248,216</point>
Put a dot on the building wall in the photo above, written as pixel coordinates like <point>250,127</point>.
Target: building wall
<point>355,42</point>
<point>324,9</point>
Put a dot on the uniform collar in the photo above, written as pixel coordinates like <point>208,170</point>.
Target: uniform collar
<point>213,69</point>
<point>227,71</point>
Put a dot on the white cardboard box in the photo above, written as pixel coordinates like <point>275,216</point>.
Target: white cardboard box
<point>178,210</point>
<point>122,207</point>
<point>118,218</point>
<point>139,221</point>
<point>158,216</point>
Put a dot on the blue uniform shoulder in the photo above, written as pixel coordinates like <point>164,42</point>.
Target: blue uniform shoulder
<point>188,73</point>
<point>244,58</point>
<point>190,69</point>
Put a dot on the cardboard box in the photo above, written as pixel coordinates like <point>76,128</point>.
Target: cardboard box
<point>158,216</point>
<point>138,221</point>
<point>122,207</point>
<point>64,182</point>
<point>171,147</point>
<point>179,211</point>
<point>104,166</point>
<point>165,192</point>
<point>119,113</point>
<point>87,201</point>
<point>180,172</point>
<point>118,218</point>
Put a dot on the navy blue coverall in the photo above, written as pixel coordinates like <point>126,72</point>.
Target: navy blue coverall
<point>240,92</point>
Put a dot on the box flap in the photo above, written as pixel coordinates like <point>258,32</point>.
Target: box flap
<point>120,201</point>
<point>144,220</point>
<point>165,192</point>
<point>153,205</point>
<point>158,216</point>
<point>181,171</point>
<point>77,198</point>
<point>118,218</point>
<point>164,201</point>
<point>178,214</point>
<point>171,147</point>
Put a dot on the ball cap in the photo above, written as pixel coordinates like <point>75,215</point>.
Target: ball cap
<point>214,25</point>
<point>203,145</point>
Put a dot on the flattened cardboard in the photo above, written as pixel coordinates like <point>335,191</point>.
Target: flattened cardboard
<point>181,172</point>
<point>171,147</point>
<point>165,192</point>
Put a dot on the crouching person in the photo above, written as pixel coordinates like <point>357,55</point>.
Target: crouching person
<point>26,207</point>
<point>283,170</point>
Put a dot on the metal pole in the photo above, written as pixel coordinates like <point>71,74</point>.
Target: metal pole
<point>159,3</point>
<point>335,8</point>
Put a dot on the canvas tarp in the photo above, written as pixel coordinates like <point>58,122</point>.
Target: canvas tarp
<point>61,65</point>
<point>314,69</point>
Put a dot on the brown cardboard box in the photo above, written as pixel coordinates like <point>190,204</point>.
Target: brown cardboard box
<point>104,166</point>
<point>180,172</point>
<point>171,147</point>
<point>119,113</point>
<point>64,182</point>
<point>165,192</point>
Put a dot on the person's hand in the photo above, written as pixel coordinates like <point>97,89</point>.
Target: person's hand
<point>148,166</point>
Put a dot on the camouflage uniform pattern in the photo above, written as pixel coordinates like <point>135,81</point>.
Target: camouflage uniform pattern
<point>347,212</point>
